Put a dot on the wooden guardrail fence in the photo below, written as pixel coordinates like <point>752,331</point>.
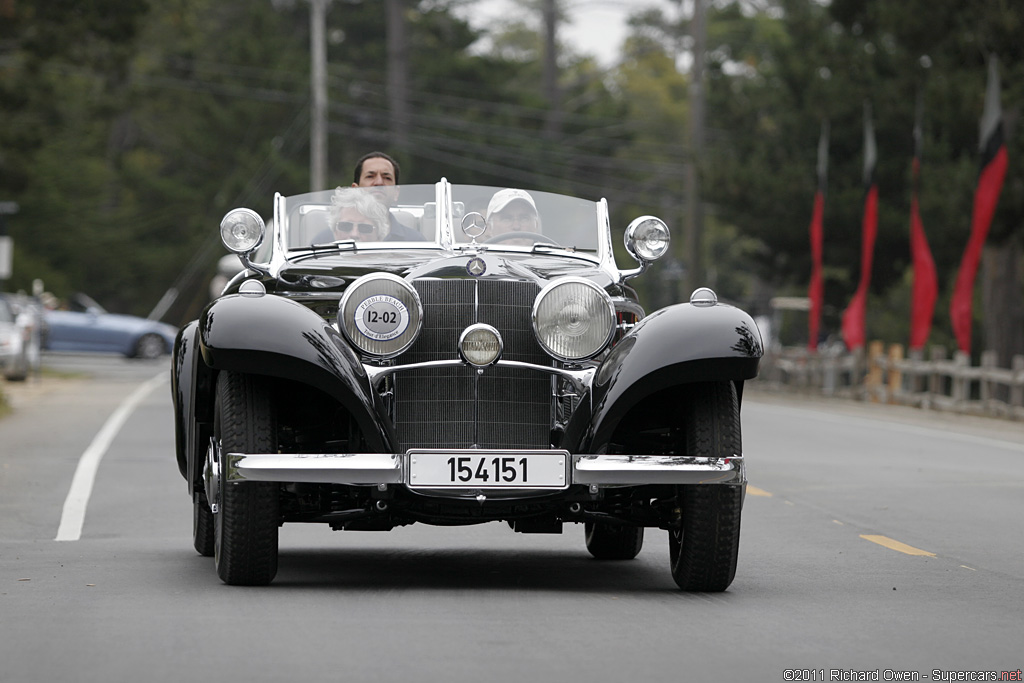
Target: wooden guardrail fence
<point>886,375</point>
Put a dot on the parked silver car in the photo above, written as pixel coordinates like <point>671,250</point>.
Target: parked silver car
<point>19,349</point>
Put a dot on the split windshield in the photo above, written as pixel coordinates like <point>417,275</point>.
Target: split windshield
<point>428,216</point>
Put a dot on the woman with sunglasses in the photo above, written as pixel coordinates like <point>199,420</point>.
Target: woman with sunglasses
<point>356,215</point>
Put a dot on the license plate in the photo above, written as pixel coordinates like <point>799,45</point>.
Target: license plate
<point>480,469</point>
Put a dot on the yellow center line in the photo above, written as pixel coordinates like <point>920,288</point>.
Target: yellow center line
<point>754,491</point>
<point>893,544</point>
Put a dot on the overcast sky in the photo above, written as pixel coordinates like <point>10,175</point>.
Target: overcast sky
<point>596,27</point>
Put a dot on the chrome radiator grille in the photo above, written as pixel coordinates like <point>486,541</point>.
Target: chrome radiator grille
<point>455,407</point>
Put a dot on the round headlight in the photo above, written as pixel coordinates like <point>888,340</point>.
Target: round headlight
<point>380,314</point>
<point>573,318</point>
<point>647,238</point>
<point>242,230</point>
<point>480,345</point>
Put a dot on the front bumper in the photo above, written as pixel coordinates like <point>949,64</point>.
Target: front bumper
<point>369,469</point>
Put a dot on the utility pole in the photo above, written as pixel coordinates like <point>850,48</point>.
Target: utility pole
<point>318,112</point>
<point>398,75</point>
<point>552,93</point>
<point>695,210</point>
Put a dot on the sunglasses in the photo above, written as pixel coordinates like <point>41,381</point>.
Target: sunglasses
<point>349,226</point>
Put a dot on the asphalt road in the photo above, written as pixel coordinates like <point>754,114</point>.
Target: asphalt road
<point>875,539</point>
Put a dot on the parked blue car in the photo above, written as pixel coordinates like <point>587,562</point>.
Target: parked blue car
<point>88,327</point>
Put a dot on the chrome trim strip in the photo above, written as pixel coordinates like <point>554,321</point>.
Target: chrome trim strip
<point>479,371</point>
<point>606,250</point>
<point>278,254</point>
<point>310,296</point>
<point>580,379</point>
<point>445,225</point>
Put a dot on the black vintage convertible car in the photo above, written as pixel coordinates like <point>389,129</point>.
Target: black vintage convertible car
<point>476,355</point>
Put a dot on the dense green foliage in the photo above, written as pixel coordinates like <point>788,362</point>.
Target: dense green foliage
<point>817,63</point>
<point>129,127</point>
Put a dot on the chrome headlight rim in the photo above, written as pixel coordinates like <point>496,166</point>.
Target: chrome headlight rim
<point>364,340</point>
<point>474,329</point>
<point>246,243</point>
<point>647,239</point>
<point>607,306</point>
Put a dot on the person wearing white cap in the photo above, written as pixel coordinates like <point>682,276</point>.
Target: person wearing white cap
<point>511,211</point>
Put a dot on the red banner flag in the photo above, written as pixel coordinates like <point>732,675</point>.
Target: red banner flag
<point>986,196</point>
<point>926,283</point>
<point>816,291</point>
<point>853,325</point>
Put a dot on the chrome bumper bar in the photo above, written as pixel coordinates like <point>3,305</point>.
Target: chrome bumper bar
<point>392,468</point>
<point>657,469</point>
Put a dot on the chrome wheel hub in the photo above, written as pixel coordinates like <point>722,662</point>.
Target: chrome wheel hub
<point>211,475</point>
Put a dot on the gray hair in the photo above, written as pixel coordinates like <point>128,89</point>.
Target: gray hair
<point>361,200</point>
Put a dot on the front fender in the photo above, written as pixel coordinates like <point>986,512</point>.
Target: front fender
<point>270,335</point>
<point>192,394</point>
<point>183,375</point>
<point>676,345</point>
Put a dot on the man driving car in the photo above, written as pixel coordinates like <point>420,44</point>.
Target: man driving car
<point>511,211</point>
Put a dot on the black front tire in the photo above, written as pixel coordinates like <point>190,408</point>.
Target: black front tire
<point>705,551</point>
<point>613,541</point>
<point>705,547</point>
<point>248,517</point>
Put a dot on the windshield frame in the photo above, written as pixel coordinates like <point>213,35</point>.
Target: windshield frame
<point>448,236</point>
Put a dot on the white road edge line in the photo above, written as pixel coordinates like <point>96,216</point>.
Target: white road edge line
<point>73,516</point>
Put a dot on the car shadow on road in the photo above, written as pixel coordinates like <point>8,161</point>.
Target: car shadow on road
<point>420,569</point>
